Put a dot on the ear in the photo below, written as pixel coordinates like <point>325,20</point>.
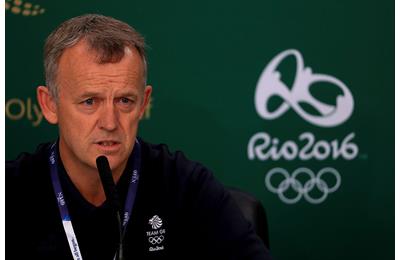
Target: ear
<point>146,99</point>
<point>47,104</point>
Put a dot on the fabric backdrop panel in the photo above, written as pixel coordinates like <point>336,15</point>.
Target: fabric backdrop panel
<point>291,101</point>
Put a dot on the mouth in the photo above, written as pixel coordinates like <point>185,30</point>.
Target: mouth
<point>108,146</point>
<point>107,143</point>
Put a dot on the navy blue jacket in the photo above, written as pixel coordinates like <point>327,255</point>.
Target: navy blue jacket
<point>199,218</point>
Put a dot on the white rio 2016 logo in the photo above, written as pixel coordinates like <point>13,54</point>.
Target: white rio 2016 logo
<point>270,85</point>
<point>263,147</point>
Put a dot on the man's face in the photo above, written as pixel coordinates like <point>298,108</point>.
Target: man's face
<point>99,106</point>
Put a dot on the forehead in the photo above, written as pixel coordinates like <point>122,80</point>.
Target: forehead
<point>79,66</point>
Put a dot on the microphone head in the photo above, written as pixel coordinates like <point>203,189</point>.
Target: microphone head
<point>102,163</point>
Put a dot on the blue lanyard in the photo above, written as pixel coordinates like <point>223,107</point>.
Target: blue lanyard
<point>62,205</point>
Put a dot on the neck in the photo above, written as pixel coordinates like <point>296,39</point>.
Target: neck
<point>86,178</point>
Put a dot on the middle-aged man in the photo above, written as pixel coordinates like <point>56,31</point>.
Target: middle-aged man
<point>56,207</point>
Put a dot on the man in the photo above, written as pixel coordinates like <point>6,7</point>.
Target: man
<point>56,206</point>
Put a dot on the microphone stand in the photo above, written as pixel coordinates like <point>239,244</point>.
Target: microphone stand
<point>112,196</point>
<point>120,252</point>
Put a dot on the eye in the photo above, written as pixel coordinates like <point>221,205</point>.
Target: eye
<point>125,101</point>
<point>88,102</point>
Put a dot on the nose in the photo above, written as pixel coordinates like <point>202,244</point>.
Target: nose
<point>108,118</point>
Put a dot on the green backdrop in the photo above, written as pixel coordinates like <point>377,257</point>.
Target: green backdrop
<point>231,90</point>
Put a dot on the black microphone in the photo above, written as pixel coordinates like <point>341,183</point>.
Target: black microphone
<point>107,181</point>
<point>111,195</point>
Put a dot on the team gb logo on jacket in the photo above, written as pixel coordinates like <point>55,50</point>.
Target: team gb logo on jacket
<point>155,235</point>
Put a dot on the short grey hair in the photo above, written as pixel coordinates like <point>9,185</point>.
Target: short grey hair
<point>107,36</point>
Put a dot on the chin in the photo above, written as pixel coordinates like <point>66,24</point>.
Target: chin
<point>114,162</point>
<point>115,159</point>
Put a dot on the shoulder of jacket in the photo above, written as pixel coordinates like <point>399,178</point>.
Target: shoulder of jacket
<point>174,165</point>
<point>27,163</point>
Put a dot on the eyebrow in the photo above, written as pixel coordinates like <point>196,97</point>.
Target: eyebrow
<point>129,93</point>
<point>87,94</point>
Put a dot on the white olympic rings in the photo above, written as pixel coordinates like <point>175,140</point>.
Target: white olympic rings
<point>302,189</point>
<point>156,239</point>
